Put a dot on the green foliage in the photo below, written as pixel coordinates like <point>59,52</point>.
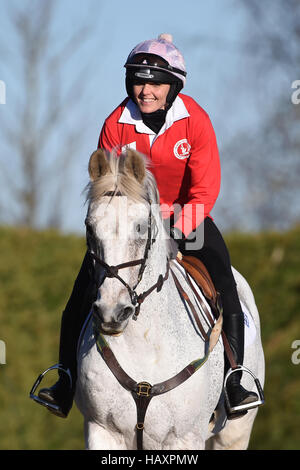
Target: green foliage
<point>37,272</point>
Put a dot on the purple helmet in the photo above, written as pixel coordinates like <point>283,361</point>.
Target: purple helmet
<point>157,60</point>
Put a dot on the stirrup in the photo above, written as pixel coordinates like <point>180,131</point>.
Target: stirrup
<point>40,401</point>
<point>246,406</point>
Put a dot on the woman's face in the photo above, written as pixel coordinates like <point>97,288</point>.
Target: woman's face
<point>151,96</point>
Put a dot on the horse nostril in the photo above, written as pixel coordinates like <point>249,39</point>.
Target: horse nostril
<point>128,310</point>
<point>125,313</point>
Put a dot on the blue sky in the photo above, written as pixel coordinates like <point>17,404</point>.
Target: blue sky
<point>207,33</point>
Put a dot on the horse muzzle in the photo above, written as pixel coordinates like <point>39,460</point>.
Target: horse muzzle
<point>110,330</point>
<point>113,323</point>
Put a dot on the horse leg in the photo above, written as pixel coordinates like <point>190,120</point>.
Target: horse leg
<point>99,438</point>
<point>235,435</point>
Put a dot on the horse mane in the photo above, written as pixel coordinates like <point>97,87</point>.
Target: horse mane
<point>118,180</point>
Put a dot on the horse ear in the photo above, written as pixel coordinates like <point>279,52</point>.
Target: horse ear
<point>135,164</point>
<point>98,164</point>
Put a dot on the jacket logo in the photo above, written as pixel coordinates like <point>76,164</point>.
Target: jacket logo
<point>182,149</point>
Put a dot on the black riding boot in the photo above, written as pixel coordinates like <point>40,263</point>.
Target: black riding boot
<point>78,307</point>
<point>237,395</point>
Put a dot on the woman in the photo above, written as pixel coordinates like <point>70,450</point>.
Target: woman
<point>177,136</point>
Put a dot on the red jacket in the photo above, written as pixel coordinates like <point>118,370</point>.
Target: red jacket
<point>184,156</point>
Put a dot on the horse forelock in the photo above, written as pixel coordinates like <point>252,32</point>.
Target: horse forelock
<point>117,180</point>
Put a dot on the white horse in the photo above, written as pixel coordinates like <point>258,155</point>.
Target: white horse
<point>124,225</point>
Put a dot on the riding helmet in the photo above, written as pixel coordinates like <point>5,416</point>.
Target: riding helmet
<point>156,60</point>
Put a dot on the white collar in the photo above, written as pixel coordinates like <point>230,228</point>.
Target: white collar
<point>132,115</point>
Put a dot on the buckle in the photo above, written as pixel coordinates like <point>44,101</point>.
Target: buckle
<point>144,389</point>
<point>51,406</point>
<point>246,406</point>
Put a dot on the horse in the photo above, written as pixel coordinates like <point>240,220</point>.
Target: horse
<point>140,330</point>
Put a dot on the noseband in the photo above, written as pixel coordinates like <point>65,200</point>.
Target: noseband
<point>113,271</point>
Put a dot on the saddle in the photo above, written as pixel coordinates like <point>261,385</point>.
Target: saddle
<point>198,272</point>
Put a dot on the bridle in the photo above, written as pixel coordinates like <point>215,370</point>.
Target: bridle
<point>113,271</point>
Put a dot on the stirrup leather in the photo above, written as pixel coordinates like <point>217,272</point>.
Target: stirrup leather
<point>51,406</point>
<point>246,406</point>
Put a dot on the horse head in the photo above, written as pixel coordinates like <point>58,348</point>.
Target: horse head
<point>120,226</point>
